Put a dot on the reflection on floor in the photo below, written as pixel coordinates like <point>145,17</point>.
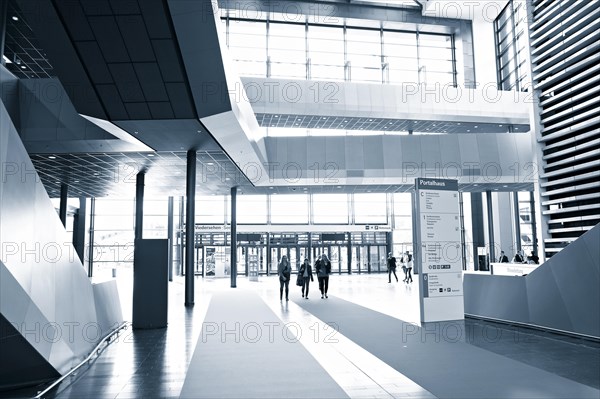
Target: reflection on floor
<point>154,363</point>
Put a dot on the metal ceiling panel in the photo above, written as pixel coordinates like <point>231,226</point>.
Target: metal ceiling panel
<point>134,33</point>
<point>109,39</point>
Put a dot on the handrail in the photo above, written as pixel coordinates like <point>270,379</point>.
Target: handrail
<point>95,351</point>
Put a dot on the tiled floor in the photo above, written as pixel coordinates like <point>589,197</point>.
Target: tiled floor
<point>154,363</point>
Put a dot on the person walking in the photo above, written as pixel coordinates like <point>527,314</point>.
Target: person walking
<point>307,276</point>
<point>391,264</point>
<point>409,266</point>
<point>323,268</point>
<point>284,270</point>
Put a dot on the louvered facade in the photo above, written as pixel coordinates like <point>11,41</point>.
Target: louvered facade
<point>565,55</point>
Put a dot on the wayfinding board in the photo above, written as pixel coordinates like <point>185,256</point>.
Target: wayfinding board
<point>438,246</point>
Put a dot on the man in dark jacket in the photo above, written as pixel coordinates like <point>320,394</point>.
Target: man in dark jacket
<point>391,265</point>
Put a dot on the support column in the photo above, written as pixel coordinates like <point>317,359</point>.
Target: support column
<point>233,236</point>
<point>64,196</point>
<point>180,234</point>
<point>170,235</point>
<point>310,251</point>
<point>91,243</point>
<point>517,219</point>
<point>490,218</point>
<point>79,229</point>
<point>477,228</point>
<point>389,243</point>
<point>190,227</point>
<point>139,205</point>
<point>534,226</point>
<point>349,255</point>
<point>268,268</point>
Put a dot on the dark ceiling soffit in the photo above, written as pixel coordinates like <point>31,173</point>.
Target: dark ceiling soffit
<point>196,32</point>
<point>180,55</point>
<point>50,30</point>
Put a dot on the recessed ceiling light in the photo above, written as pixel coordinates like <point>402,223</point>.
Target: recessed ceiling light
<point>210,163</point>
<point>505,186</point>
<point>227,178</point>
<point>468,131</point>
<point>96,174</point>
<point>15,18</point>
<point>150,155</point>
<point>339,186</point>
<point>476,185</point>
<point>500,125</point>
<point>475,126</point>
<point>370,120</point>
<point>23,67</point>
<point>516,128</point>
<point>76,181</point>
<point>52,157</point>
<point>458,123</point>
<point>276,116</point>
<point>270,188</point>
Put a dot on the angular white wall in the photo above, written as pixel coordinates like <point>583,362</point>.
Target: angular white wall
<point>44,290</point>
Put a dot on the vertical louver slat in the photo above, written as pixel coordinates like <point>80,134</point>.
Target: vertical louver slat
<point>564,39</point>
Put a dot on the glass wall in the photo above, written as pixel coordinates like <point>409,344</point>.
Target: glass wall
<point>252,209</point>
<point>340,53</point>
<point>330,209</point>
<point>370,208</point>
<point>511,52</point>
<point>402,223</point>
<point>289,209</point>
<point>114,227</point>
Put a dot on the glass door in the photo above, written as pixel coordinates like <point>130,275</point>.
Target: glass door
<point>334,250</point>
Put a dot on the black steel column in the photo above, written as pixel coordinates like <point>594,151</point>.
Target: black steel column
<point>311,258</point>
<point>180,235</point>
<point>349,253</point>
<point>170,235</point>
<point>517,221</point>
<point>139,205</point>
<point>533,222</point>
<point>64,197</point>
<point>91,243</point>
<point>477,228</point>
<point>490,218</point>
<point>190,227</point>
<point>268,268</point>
<point>389,238</point>
<point>79,229</point>
<point>233,236</point>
